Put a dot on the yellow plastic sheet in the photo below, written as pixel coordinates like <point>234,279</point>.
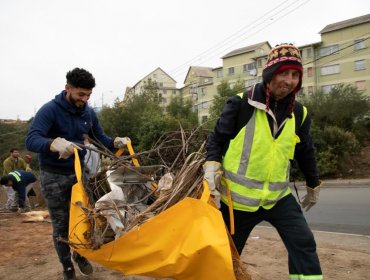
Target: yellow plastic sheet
<point>187,241</point>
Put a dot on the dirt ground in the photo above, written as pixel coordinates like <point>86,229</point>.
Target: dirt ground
<point>27,252</point>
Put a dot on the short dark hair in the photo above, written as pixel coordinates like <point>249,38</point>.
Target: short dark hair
<point>5,179</point>
<point>13,149</point>
<point>80,78</point>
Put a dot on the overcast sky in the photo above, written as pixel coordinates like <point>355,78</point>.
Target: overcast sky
<point>120,42</point>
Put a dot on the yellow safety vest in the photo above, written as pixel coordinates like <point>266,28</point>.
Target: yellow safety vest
<point>256,165</point>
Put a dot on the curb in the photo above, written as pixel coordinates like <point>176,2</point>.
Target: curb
<point>339,183</point>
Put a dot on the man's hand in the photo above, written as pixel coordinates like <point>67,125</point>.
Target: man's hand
<point>121,142</point>
<point>63,147</point>
<point>212,174</point>
<point>311,198</point>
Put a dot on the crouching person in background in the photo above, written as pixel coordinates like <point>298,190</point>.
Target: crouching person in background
<point>22,182</point>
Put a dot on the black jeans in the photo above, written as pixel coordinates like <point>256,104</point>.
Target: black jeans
<point>57,189</point>
<point>287,217</point>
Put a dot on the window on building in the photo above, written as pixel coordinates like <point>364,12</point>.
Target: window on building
<point>164,100</point>
<point>174,91</point>
<point>360,64</point>
<point>359,44</point>
<point>308,52</point>
<point>310,89</point>
<point>309,72</point>
<point>327,88</point>
<point>249,67</point>
<point>219,73</point>
<point>231,71</point>
<point>361,85</point>
<point>204,119</point>
<point>330,69</point>
<point>204,105</point>
<point>154,76</point>
<point>204,91</point>
<point>259,63</point>
<point>334,49</point>
<point>160,84</point>
<point>164,91</point>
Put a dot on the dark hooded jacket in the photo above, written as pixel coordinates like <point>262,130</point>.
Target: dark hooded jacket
<point>59,118</point>
<point>24,178</point>
<point>235,116</point>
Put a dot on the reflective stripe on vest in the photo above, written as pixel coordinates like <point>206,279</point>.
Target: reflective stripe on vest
<point>16,175</point>
<point>257,166</point>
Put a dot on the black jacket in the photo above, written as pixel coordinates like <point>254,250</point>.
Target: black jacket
<point>235,116</point>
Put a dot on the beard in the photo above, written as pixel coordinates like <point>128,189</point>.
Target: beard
<point>75,102</point>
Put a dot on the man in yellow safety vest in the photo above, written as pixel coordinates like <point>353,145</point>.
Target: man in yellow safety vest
<point>257,135</point>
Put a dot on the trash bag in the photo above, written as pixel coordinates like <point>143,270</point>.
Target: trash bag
<point>187,241</point>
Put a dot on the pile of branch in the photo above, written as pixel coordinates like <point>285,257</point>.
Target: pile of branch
<point>181,154</point>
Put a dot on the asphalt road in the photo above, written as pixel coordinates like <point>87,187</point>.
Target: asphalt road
<point>341,209</point>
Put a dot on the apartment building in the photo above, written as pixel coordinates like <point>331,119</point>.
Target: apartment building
<point>166,87</point>
<point>341,56</point>
<point>199,88</point>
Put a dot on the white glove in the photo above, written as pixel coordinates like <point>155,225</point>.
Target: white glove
<point>63,147</point>
<point>121,142</point>
<point>212,174</point>
<point>311,198</point>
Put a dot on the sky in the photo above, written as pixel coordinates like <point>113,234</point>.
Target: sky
<point>120,42</point>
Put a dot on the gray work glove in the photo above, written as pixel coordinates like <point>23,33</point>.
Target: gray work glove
<point>311,197</point>
<point>63,147</point>
<point>212,174</point>
<point>121,142</point>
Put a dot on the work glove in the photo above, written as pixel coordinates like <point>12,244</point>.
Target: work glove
<point>212,174</point>
<point>311,197</point>
<point>63,147</point>
<point>121,142</point>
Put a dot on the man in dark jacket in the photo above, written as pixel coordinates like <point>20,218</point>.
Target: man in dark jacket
<point>59,124</point>
<point>21,182</point>
<point>253,142</point>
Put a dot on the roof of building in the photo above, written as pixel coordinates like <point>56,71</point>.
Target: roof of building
<point>158,68</point>
<point>247,49</point>
<point>346,23</point>
<point>201,71</point>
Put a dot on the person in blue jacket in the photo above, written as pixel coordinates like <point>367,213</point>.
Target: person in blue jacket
<point>57,126</point>
<point>22,182</point>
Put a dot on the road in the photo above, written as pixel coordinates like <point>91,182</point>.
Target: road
<point>341,209</point>
<point>344,209</point>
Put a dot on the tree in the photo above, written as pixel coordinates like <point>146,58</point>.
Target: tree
<point>223,93</point>
<point>345,107</point>
<point>182,111</point>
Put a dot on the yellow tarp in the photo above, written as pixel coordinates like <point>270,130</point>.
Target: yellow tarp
<point>187,241</point>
